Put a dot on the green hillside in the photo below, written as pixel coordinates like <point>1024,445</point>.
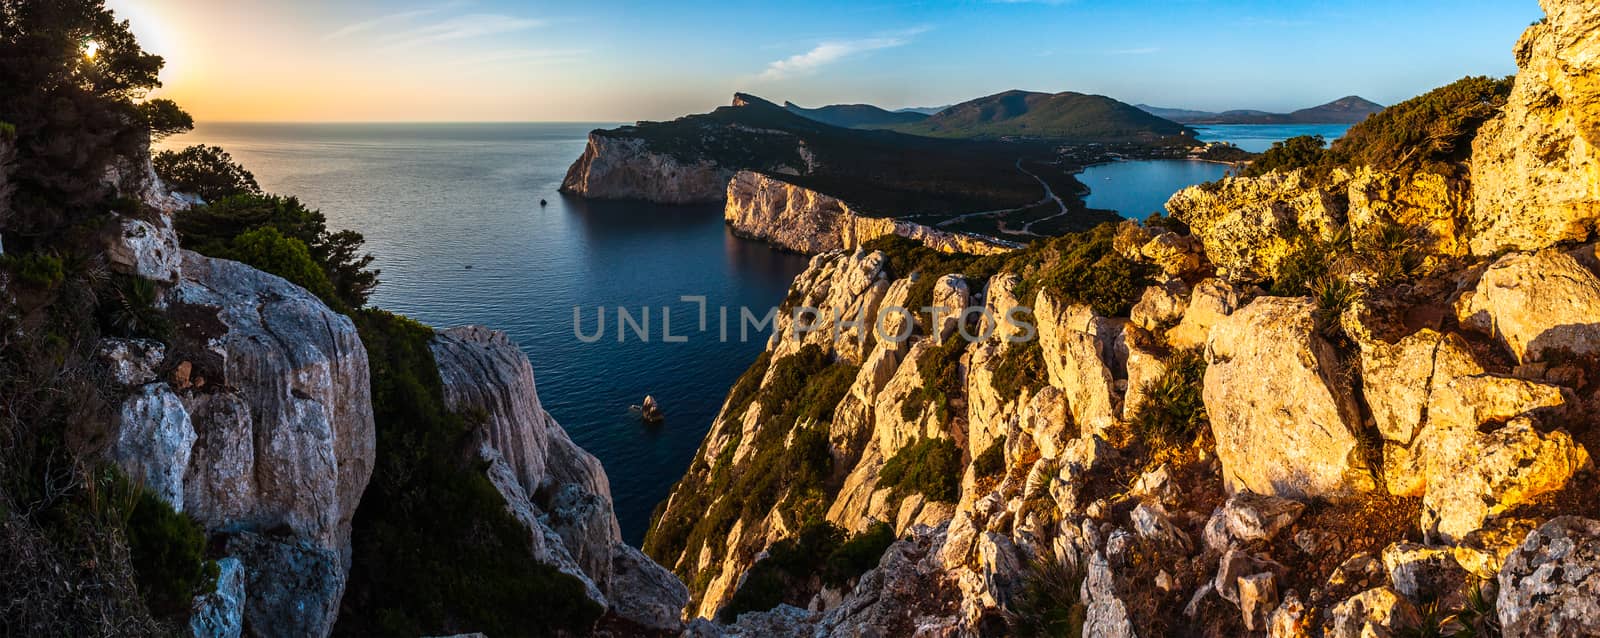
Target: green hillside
<point>1062,116</point>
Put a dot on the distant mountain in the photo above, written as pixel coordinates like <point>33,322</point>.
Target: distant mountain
<point>925,110</point>
<point>855,115</point>
<point>1065,116</point>
<point>1345,110</point>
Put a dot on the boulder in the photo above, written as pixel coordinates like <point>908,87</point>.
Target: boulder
<point>1211,302</point>
<point>1536,304</point>
<point>146,249</point>
<point>1282,412</point>
<point>950,299</point>
<point>1535,169</point>
<point>1176,255</point>
<point>284,423</point>
<point>1075,343</point>
<point>220,614</point>
<point>1248,225</point>
<point>1422,573</point>
<point>131,362</point>
<point>1257,517</point>
<point>1258,600</point>
<point>155,440</point>
<point>650,595</point>
<point>1106,615</point>
<point>292,587</point>
<point>1490,473</point>
<point>1161,306</point>
<point>1375,612</point>
<point>1550,585</point>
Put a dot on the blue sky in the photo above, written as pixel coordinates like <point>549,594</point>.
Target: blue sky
<point>436,60</point>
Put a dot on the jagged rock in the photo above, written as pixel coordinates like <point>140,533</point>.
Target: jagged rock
<point>1535,171</point>
<point>1283,415</point>
<point>1493,472</point>
<point>1432,207</point>
<point>155,440</point>
<point>1000,565</point>
<point>1373,613</point>
<point>131,362</point>
<point>1251,517</point>
<point>1550,585</point>
<point>1423,573</point>
<point>1211,301</point>
<point>1161,306</point>
<point>1047,422</point>
<point>651,596</point>
<point>1247,224</point>
<point>1153,524</point>
<point>1258,599</point>
<point>1362,571</point>
<point>292,587</point>
<point>1289,619</point>
<point>1074,341</point>
<point>146,249</point>
<point>545,544</point>
<point>220,614</point>
<point>1107,615</point>
<point>900,597</point>
<point>291,443</point>
<point>1233,566</point>
<point>950,298</point>
<point>1536,304</point>
<point>807,221</point>
<point>1000,300</point>
<point>1176,255</point>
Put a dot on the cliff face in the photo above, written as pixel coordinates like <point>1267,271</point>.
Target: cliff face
<point>555,488</point>
<point>626,168</point>
<point>1424,421</point>
<point>806,221</point>
<point>1536,172</point>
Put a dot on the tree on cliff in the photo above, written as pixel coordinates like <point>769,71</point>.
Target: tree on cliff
<point>70,77</point>
<point>207,171</point>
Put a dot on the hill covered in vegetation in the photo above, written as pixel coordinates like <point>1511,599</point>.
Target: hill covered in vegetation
<point>1073,117</point>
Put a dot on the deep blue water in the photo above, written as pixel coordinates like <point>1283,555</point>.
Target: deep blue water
<point>1259,137</point>
<point>434,199</point>
<point>1136,189</point>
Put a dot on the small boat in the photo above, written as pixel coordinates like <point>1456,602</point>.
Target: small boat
<point>543,203</point>
<point>469,266</point>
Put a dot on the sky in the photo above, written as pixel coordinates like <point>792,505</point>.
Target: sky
<point>612,61</point>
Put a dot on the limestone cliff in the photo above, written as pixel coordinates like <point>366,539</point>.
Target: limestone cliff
<point>803,220</point>
<point>615,167</point>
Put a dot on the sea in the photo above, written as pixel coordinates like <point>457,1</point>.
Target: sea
<point>467,227</point>
<point>1135,189</point>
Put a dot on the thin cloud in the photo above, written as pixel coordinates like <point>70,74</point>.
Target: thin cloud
<point>833,51</point>
<point>368,25</point>
<point>524,56</point>
<point>464,27</point>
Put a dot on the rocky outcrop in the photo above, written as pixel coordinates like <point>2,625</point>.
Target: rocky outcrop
<point>1535,305</point>
<point>800,219</point>
<point>621,167</point>
<point>1283,414</point>
<point>556,489</point>
<point>1535,167</point>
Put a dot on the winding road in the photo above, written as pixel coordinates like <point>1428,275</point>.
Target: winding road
<point>1027,229</point>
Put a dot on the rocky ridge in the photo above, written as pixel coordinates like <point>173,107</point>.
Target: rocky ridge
<point>1385,444</point>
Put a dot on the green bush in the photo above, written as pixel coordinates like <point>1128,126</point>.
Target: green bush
<point>1049,604</point>
<point>992,461</point>
<point>267,249</point>
<point>8,131</point>
<point>1432,132</point>
<point>132,311</point>
<point>940,367</point>
<point>1085,268</point>
<point>38,270</point>
<point>1174,411</point>
<point>1021,368</point>
<point>207,171</point>
<point>168,553</point>
<point>215,229</point>
<point>1303,152</point>
<point>821,553</point>
<point>466,565</point>
<point>860,553</point>
<point>931,467</point>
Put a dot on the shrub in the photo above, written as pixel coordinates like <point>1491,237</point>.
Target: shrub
<point>820,553</point>
<point>992,461</point>
<point>39,270</point>
<point>267,249</point>
<point>1021,368</point>
<point>1433,131</point>
<point>1174,411</point>
<point>1085,268</point>
<point>1049,604</point>
<point>213,230</point>
<point>133,312</point>
<point>940,367</point>
<point>168,553</point>
<point>467,563</point>
<point>931,467</point>
<point>1303,152</point>
<point>8,131</point>
<point>207,171</point>
<point>860,553</point>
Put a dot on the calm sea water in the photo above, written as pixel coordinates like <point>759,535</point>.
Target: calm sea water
<point>452,214</point>
<point>1136,189</point>
<point>1259,137</point>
